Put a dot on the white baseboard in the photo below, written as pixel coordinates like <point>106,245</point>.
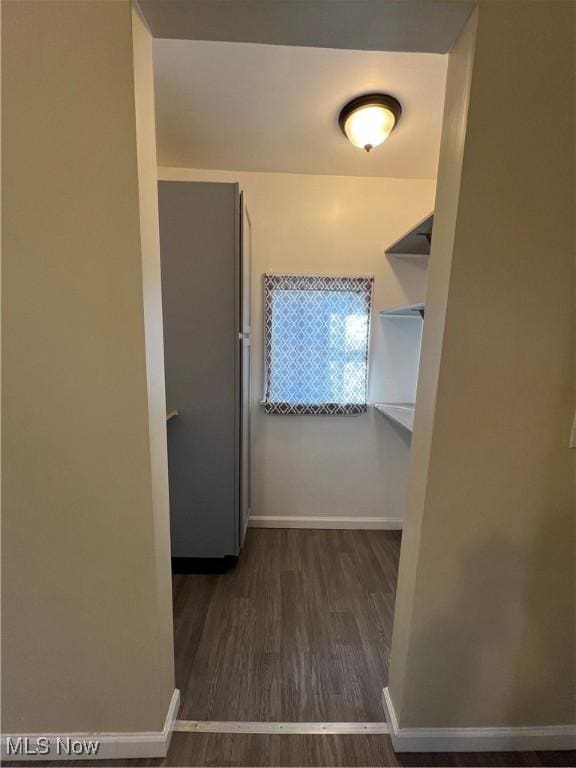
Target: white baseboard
<point>349,523</point>
<point>111,746</point>
<point>521,739</point>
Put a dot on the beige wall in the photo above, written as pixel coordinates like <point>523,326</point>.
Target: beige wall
<point>153,330</point>
<point>484,631</point>
<point>347,466</point>
<point>85,580</point>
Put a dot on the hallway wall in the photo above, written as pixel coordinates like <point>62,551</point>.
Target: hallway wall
<point>86,593</point>
<point>346,467</point>
<point>484,627</point>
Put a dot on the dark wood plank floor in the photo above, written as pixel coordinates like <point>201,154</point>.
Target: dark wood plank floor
<point>258,751</point>
<point>300,630</point>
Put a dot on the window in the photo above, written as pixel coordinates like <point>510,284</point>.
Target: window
<point>316,344</point>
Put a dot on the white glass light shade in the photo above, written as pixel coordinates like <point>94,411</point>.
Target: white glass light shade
<point>368,127</point>
<point>368,120</point>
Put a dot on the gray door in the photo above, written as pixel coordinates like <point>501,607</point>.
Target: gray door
<point>199,244</point>
<point>245,364</point>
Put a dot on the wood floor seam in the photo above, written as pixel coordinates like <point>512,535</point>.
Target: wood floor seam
<point>303,729</point>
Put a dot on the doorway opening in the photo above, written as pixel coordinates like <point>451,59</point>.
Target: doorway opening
<point>283,610</point>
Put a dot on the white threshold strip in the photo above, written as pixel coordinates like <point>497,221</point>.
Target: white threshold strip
<point>230,726</point>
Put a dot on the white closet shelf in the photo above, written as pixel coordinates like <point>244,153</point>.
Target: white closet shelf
<point>415,244</point>
<point>171,414</point>
<point>401,413</point>
<point>407,255</point>
<point>409,310</point>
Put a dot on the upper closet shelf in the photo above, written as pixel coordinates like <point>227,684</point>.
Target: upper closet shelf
<point>410,310</point>
<point>416,243</point>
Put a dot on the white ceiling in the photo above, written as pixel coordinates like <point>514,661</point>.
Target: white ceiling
<point>254,107</point>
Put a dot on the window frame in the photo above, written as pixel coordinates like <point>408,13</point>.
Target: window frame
<point>362,285</point>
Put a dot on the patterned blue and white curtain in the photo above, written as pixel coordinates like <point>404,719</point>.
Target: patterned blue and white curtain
<point>317,332</point>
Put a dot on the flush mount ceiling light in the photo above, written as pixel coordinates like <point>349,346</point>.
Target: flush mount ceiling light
<point>368,120</point>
